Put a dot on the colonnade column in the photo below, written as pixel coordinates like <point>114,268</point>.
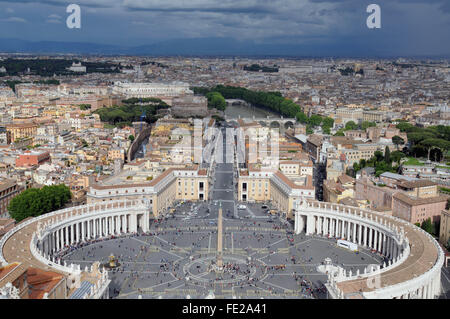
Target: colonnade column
<point>380,237</point>
<point>332,220</point>
<point>72,233</point>
<point>347,234</point>
<point>64,237</point>
<point>360,234</point>
<point>58,243</point>
<point>375,240</point>
<point>338,228</point>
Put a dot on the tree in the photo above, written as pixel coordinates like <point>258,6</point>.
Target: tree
<point>365,125</point>
<point>85,107</point>
<point>301,117</point>
<point>131,138</point>
<point>404,126</point>
<point>315,120</point>
<point>417,137</point>
<point>396,156</point>
<point>378,156</point>
<point>435,143</point>
<point>356,167</point>
<point>397,140</point>
<point>328,121</point>
<point>35,202</point>
<point>362,163</point>
<point>427,226</point>
<point>387,155</point>
<point>216,101</point>
<point>350,125</point>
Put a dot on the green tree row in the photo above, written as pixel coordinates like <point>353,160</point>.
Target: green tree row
<point>216,101</point>
<point>257,68</point>
<point>351,125</point>
<point>128,113</point>
<point>37,201</point>
<point>427,141</point>
<point>389,162</point>
<point>49,67</point>
<point>272,101</point>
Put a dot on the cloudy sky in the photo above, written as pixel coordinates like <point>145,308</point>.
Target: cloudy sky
<point>409,27</point>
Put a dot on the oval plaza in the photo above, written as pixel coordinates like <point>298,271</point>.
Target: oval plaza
<point>413,268</point>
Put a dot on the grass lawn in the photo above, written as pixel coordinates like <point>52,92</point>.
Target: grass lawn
<point>413,161</point>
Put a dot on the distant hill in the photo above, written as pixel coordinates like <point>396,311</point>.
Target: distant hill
<point>21,46</point>
<point>207,47</point>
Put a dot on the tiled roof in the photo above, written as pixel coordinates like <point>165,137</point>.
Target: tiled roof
<point>419,201</point>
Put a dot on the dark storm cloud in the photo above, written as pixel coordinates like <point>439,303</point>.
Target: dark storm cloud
<point>407,25</point>
<point>444,5</point>
<point>86,3</point>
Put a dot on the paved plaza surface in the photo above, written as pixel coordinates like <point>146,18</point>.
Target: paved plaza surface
<point>261,254</point>
<point>172,260</point>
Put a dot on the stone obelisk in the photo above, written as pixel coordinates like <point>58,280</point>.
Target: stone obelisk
<point>220,239</point>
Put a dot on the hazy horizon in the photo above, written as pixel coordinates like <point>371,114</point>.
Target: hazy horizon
<point>409,28</point>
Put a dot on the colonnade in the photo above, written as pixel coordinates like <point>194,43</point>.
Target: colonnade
<point>427,291</point>
<point>362,234</point>
<point>86,229</point>
<point>381,234</point>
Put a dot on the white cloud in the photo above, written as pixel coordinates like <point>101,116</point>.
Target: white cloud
<point>14,19</point>
<point>53,21</point>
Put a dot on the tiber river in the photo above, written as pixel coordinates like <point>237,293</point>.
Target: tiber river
<point>247,111</point>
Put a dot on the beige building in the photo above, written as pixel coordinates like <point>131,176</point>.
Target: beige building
<point>257,185</point>
<point>21,130</point>
<point>373,116</point>
<point>444,233</point>
<point>336,190</point>
<point>173,184</point>
<point>296,168</point>
<point>116,153</point>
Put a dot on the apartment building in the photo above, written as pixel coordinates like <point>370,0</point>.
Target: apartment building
<point>190,183</point>
<point>8,190</point>
<point>21,130</point>
<point>257,185</point>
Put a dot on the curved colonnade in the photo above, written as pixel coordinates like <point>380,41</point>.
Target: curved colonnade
<point>36,242</point>
<point>414,258</point>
